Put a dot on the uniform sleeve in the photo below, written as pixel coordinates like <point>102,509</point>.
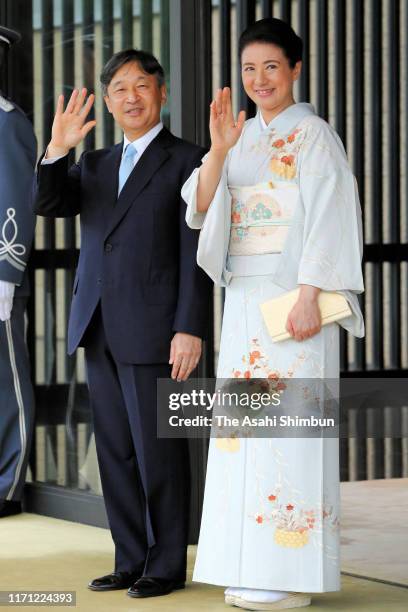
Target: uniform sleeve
<point>333,238</point>
<point>18,151</point>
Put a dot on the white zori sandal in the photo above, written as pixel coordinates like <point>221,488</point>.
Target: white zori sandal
<point>292,600</point>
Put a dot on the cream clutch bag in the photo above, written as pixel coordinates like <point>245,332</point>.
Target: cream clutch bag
<point>333,307</point>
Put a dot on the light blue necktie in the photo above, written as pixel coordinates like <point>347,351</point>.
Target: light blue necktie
<point>126,165</point>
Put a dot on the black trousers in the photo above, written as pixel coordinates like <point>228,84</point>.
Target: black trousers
<point>145,479</point>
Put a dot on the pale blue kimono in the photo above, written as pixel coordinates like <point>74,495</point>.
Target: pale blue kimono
<point>286,212</point>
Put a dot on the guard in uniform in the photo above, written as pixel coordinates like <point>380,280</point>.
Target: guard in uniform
<point>18,152</point>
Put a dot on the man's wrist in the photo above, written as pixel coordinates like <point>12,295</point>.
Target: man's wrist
<point>184,333</point>
<point>55,151</point>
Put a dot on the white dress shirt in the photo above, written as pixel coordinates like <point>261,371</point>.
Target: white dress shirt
<point>140,144</point>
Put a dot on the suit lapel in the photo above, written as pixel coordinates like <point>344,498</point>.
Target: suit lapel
<point>108,173</point>
<point>149,163</point>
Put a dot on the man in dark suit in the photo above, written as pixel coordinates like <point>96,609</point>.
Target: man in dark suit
<point>140,307</point>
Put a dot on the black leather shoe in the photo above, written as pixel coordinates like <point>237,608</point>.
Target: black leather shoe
<point>153,587</point>
<point>9,507</point>
<point>114,581</point>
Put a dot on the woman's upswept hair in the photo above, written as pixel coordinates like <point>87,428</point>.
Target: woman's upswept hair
<point>273,31</point>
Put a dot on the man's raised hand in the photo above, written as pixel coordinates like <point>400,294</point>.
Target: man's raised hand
<point>70,126</point>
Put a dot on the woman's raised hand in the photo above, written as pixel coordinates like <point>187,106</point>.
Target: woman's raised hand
<point>224,130</point>
<point>70,127</point>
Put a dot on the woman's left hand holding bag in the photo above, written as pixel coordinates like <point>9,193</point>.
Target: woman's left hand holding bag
<point>304,320</point>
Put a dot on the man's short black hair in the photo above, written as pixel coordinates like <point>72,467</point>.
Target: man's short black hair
<point>146,60</point>
<point>273,31</point>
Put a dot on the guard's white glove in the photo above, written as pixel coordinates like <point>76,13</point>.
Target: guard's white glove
<point>6,299</point>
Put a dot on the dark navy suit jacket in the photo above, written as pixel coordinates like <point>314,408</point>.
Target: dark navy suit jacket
<point>138,257</point>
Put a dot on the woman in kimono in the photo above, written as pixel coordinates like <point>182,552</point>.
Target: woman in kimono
<point>278,209</point>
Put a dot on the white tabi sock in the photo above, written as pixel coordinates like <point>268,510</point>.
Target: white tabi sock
<point>262,596</point>
<point>236,591</point>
